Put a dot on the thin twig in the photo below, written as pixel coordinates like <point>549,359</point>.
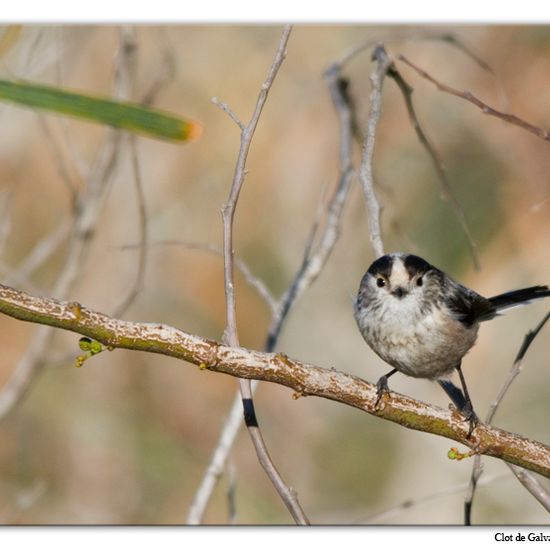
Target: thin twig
<point>366,176</point>
<point>486,109</point>
<point>448,194</point>
<point>312,264</point>
<point>230,333</point>
<point>529,482</point>
<point>226,109</point>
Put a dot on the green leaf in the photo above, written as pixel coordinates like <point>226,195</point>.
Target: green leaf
<point>120,114</point>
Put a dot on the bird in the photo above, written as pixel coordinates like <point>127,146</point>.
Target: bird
<point>422,322</point>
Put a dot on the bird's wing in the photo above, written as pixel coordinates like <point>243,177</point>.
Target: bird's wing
<point>468,306</point>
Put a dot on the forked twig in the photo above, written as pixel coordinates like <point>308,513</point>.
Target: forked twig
<point>314,259</point>
<point>230,334</point>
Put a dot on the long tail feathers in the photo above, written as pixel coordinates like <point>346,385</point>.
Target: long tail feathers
<point>519,297</point>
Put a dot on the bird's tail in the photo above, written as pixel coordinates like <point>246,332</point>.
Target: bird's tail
<point>519,297</point>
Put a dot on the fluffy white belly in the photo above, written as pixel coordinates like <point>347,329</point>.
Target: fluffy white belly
<point>428,345</point>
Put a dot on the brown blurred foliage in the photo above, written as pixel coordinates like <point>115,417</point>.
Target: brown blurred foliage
<point>126,438</point>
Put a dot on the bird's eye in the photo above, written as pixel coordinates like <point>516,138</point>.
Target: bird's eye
<point>380,282</point>
<point>419,281</point>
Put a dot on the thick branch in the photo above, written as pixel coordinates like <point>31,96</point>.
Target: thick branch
<point>304,378</point>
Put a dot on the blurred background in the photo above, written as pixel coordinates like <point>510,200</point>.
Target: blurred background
<point>127,438</point>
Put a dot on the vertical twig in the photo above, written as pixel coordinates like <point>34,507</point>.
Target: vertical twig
<point>230,333</point>
<point>312,264</point>
<point>366,176</point>
<point>525,478</point>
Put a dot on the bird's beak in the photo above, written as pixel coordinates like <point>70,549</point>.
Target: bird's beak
<point>399,292</point>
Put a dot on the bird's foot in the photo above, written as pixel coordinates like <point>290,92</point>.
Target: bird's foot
<point>381,390</point>
<point>471,417</point>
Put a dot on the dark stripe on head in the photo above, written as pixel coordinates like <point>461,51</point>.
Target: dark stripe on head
<point>382,266</point>
<point>415,265</point>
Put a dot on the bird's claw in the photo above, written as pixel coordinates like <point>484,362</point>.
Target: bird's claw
<point>472,418</point>
<point>381,390</point>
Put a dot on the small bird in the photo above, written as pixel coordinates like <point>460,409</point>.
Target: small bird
<point>422,322</point>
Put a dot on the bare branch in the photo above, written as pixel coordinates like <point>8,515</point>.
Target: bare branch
<point>303,378</point>
<point>486,109</point>
<point>230,334</point>
<point>366,176</point>
<point>229,208</point>
<point>312,264</point>
<point>226,109</point>
<point>529,482</point>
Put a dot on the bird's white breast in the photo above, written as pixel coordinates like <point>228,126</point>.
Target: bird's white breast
<point>421,343</point>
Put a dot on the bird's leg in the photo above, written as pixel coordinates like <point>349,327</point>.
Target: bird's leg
<point>382,387</point>
<point>461,399</point>
<point>468,409</point>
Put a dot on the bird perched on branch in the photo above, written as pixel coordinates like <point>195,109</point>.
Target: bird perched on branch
<point>422,322</point>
